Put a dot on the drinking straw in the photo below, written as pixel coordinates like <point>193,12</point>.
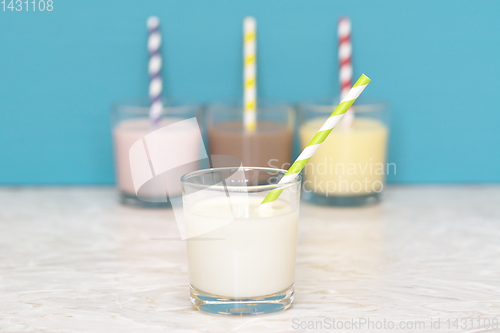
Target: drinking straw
<point>249,74</point>
<point>154,68</point>
<point>318,139</point>
<point>345,64</point>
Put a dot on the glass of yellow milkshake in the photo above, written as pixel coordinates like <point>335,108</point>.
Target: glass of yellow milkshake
<point>241,257</point>
<point>350,167</point>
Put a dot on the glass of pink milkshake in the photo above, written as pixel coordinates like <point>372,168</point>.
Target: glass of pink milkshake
<point>131,125</point>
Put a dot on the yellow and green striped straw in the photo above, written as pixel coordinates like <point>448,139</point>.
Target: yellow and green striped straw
<point>318,139</point>
<point>249,74</point>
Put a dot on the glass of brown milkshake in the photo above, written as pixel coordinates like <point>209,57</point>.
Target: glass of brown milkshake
<point>270,145</point>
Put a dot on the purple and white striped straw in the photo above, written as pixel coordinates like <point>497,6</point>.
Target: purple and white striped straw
<point>154,68</point>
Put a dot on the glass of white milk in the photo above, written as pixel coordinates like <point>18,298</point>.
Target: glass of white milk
<point>241,256</point>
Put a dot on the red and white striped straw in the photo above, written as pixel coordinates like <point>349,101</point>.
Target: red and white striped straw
<point>345,64</point>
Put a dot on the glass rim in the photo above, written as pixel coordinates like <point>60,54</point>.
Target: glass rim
<point>235,104</point>
<point>233,188</point>
<point>142,106</point>
<point>327,103</point>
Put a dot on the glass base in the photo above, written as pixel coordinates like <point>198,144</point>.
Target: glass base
<point>132,201</point>
<point>343,201</point>
<point>242,307</point>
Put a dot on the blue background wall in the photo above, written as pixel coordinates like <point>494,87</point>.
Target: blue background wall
<point>436,61</point>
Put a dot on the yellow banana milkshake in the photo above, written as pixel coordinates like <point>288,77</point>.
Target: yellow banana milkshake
<point>350,162</point>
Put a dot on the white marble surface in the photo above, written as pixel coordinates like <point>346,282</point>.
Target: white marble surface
<point>74,260</point>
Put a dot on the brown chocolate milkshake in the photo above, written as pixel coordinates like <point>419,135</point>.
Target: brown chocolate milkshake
<point>269,146</point>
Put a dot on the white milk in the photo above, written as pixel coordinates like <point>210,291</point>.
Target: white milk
<point>252,256</point>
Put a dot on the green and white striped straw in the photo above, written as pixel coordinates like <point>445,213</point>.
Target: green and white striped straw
<point>318,139</point>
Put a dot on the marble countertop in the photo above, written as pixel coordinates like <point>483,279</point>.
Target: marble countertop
<point>74,260</point>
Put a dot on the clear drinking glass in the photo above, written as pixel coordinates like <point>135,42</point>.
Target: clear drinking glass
<point>241,257</point>
<point>269,146</point>
<point>350,167</point>
<point>131,123</point>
